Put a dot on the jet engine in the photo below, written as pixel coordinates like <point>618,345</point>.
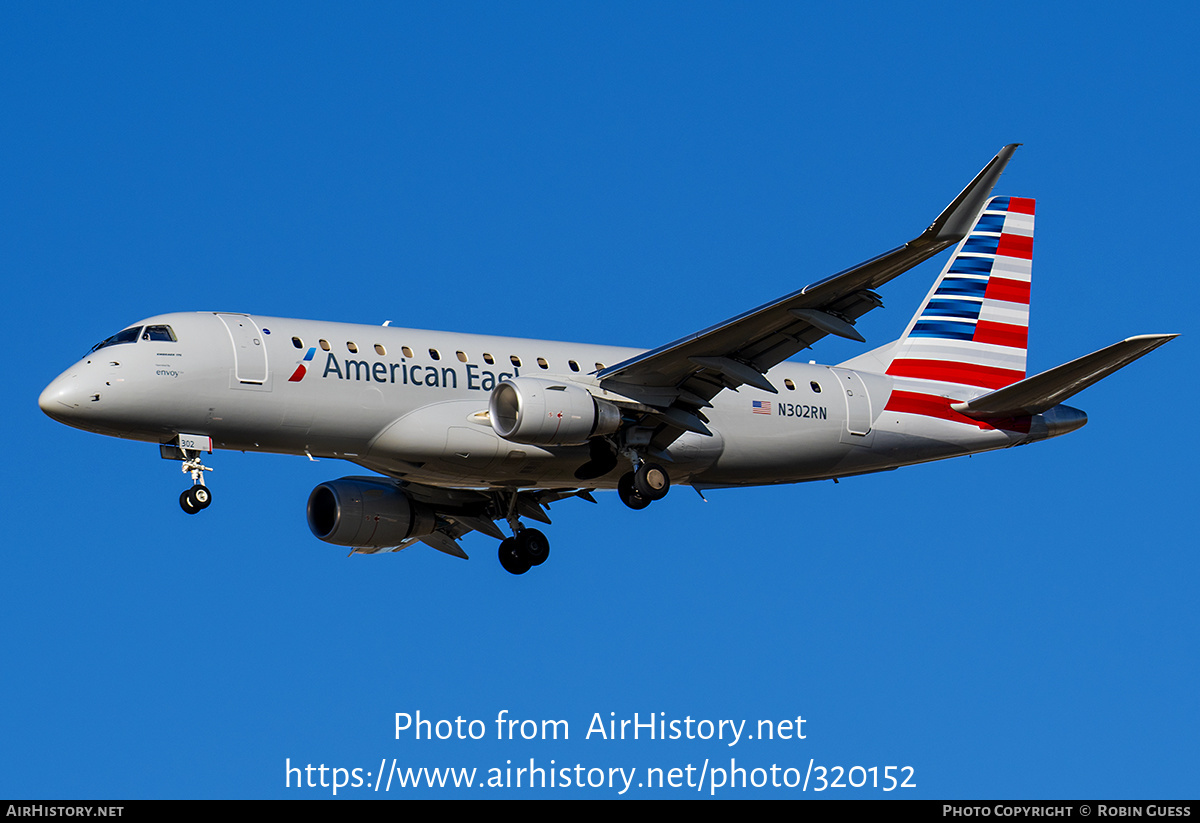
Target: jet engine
<point>366,512</point>
<point>549,413</point>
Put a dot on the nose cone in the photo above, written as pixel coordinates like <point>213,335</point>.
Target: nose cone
<point>63,399</point>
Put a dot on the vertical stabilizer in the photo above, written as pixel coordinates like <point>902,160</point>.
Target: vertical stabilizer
<point>970,335</point>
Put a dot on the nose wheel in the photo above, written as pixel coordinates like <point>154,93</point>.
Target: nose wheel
<point>195,499</point>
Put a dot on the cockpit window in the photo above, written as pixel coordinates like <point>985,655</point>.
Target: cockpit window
<point>163,333</point>
<point>124,336</point>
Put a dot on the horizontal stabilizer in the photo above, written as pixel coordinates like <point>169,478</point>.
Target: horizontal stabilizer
<point>1036,394</point>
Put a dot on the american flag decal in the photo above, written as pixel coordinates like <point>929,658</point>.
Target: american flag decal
<point>760,406</point>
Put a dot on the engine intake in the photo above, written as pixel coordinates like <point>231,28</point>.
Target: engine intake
<point>549,413</point>
<point>364,512</point>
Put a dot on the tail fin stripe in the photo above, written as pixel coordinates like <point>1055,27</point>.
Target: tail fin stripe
<point>980,244</point>
<point>943,329</point>
<point>968,309</point>
<point>991,221</point>
<point>1008,314</point>
<point>1002,334</point>
<point>1014,268</point>
<point>971,265</point>
<point>967,374</point>
<point>1016,245</point>
<point>968,287</point>
<point>1008,291</point>
<point>929,348</point>
<point>1021,205</point>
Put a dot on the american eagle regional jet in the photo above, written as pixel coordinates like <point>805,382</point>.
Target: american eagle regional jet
<point>469,431</point>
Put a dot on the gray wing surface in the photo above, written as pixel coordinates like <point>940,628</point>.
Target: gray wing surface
<point>679,379</point>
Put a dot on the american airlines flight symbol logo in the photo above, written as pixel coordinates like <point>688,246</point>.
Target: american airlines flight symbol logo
<point>298,374</point>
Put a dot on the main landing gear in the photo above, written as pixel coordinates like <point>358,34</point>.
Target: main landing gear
<point>642,486</point>
<point>524,550</point>
<point>527,547</point>
<point>199,496</point>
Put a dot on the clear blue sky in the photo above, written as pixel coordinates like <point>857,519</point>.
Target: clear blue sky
<point>1017,624</point>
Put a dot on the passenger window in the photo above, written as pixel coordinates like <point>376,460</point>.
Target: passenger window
<point>380,350</point>
<point>353,347</point>
<point>516,361</point>
<point>434,354</point>
<point>324,345</point>
<point>462,357</point>
<point>406,351</point>
<point>574,366</point>
<point>542,363</point>
<point>487,358</point>
<point>816,387</point>
<point>297,342</point>
<point>790,385</point>
<point>599,366</point>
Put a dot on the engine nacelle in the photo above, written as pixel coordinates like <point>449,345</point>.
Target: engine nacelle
<point>364,512</point>
<point>549,413</point>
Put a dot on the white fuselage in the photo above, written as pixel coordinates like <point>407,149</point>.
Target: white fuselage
<point>413,404</point>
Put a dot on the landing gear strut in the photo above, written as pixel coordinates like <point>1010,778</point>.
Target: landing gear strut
<point>199,496</point>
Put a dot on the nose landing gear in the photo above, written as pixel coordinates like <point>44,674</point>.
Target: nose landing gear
<point>199,496</point>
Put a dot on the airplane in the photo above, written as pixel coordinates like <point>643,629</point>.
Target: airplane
<point>468,431</point>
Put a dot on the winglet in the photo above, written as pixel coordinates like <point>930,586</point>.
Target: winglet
<point>956,219</point>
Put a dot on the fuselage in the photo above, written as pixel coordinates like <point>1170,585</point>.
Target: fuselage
<point>413,404</point>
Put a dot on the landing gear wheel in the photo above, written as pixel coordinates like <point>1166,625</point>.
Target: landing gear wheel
<point>629,494</point>
<point>533,546</point>
<point>201,496</point>
<point>513,561</point>
<point>187,503</point>
<point>651,481</point>
<point>195,499</point>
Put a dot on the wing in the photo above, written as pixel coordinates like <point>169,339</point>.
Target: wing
<point>674,382</point>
